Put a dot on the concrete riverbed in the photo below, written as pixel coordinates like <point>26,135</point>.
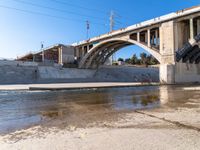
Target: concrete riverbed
<point>149,117</point>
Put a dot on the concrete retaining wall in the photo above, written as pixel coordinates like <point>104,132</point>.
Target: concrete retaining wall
<point>127,74</point>
<point>17,63</point>
<point>187,73</point>
<point>12,72</point>
<point>64,73</point>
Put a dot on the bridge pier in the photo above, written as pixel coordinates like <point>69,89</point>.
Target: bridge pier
<point>167,74</point>
<point>167,64</point>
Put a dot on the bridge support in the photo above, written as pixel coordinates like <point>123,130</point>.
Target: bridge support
<point>167,64</point>
<point>191,28</point>
<point>167,74</point>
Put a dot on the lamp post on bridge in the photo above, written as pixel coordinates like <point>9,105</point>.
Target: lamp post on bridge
<point>42,46</point>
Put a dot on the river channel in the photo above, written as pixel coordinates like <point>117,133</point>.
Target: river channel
<point>23,109</point>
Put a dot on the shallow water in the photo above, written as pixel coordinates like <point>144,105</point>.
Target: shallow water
<point>20,109</point>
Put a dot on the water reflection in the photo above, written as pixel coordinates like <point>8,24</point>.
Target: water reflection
<point>19,109</point>
<point>149,99</point>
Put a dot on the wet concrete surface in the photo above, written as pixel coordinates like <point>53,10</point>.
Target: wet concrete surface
<point>100,107</point>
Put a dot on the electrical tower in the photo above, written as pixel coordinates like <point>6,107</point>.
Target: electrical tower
<point>112,24</point>
<point>87,28</point>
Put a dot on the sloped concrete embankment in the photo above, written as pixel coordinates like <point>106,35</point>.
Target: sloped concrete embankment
<point>16,73</point>
<point>30,73</point>
<point>60,75</point>
<point>103,74</point>
<point>127,74</point>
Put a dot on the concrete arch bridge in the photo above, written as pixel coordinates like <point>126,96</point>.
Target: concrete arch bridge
<point>172,39</point>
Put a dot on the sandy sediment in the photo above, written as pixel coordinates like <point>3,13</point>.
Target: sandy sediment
<point>143,129</point>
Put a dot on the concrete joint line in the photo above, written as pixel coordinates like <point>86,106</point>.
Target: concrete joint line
<point>170,121</point>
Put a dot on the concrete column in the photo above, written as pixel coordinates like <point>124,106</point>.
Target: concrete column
<point>82,52</point>
<point>157,42</point>
<point>43,56</point>
<point>198,26</point>
<point>75,52</point>
<point>167,73</point>
<point>60,60</point>
<point>191,29</point>
<point>146,38</point>
<point>88,48</point>
<point>33,58</point>
<point>149,38</point>
<point>138,36</point>
<point>79,53</point>
<point>167,51</point>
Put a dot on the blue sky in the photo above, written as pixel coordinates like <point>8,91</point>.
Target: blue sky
<point>64,21</point>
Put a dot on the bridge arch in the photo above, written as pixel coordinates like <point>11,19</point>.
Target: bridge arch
<point>103,50</point>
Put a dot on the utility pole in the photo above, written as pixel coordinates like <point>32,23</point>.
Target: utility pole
<point>87,28</point>
<point>112,24</point>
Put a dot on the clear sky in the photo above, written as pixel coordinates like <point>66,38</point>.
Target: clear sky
<point>25,23</point>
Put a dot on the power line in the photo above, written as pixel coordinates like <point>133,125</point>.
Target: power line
<point>71,12</point>
<point>91,9</point>
<point>52,16</point>
<point>82,7</point>
<point>59,10</point>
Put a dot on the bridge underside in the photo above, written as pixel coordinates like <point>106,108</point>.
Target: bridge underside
<point>100,53</point>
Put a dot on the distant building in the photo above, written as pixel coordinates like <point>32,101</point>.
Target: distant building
<point>121,63</point>
<point>60,54</point>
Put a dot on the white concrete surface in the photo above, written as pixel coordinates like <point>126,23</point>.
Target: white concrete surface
<point>167,74</point>
<point>66,86</point>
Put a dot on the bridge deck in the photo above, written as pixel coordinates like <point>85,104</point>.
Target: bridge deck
<point>144,24</point>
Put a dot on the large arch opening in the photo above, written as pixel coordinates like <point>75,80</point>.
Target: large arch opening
<point>100,53</point>
<point>134,55</point>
